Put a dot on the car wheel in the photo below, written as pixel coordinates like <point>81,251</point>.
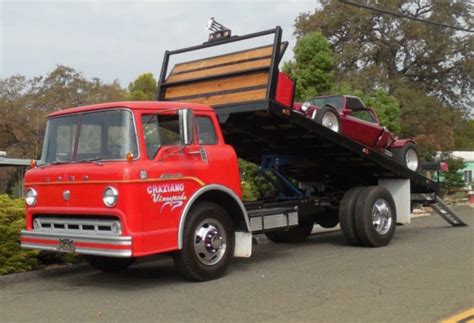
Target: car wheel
<point>346,216</point>
<point>109,264</point>
<point>375,216</point>
<point>208,245</point>
<point>408,156</point>
<point>293,235</point>
<point>328,117</point>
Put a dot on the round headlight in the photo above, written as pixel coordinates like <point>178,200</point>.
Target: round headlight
<point>305,106</point>
<point>31,196</point>
<point>110,196</point>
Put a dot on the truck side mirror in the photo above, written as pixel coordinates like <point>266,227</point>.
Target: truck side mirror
<point>186,123</point>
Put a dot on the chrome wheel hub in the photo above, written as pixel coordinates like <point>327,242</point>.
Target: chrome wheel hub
<point>381,216</point>
<point>210,242</point>
<point>329,120</point>
<point>411,159</point>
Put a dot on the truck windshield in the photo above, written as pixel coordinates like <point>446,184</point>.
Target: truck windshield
<point>91,136</point>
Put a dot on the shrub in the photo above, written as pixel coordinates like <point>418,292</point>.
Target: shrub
<point>12,220</point>
<point>13,258</point>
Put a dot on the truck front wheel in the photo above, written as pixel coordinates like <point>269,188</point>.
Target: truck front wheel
<point>109,264</point>
<point>208,245</point>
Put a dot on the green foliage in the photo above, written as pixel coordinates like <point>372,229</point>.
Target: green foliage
<point>453,178</point>
<point>464,135</point>
<point>312,66</point>
<point>254,185</point>
<point>14,259</point>
<point>143,88</point>
<point>12,220</point>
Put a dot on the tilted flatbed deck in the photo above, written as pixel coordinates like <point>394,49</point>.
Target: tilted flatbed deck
<point>242,87</point>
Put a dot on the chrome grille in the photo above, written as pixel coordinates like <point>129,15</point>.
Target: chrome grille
<point>77,226</point>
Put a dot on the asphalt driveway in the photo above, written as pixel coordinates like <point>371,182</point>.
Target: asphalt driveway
<point>424,275</point>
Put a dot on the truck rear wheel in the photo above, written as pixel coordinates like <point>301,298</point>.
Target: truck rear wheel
<point>208,244</point>
<point>375,216</point>
<point>293,235</point>
<point>346,215</point>
<point>109,264</point>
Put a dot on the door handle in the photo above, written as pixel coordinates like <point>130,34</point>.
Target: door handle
<point>194,152</point>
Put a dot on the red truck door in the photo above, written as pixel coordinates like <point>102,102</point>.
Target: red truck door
<point>173,173</point>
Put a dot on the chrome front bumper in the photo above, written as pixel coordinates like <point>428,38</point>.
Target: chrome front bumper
<point>111,246</point>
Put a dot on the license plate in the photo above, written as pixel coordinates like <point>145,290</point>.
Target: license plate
<point>66,245</point>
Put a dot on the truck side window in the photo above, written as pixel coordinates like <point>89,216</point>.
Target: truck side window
<point>150,134</point>
<point>160,130</point>
<point>206,132</point>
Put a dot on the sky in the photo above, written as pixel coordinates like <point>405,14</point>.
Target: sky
<point>123,39</point>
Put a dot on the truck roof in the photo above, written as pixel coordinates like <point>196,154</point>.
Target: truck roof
<point>139,105</point>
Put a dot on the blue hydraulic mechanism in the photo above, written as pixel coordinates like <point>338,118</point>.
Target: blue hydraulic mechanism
<point>269,170</point>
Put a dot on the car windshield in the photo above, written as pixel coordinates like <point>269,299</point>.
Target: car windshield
<point>103,135</point>
<point>335,101</point>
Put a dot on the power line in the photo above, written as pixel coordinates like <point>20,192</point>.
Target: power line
<point>364,6</point>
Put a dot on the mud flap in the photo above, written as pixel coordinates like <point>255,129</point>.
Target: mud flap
<point>243,244</point>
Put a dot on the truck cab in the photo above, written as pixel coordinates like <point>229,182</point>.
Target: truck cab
<point>114,178</point>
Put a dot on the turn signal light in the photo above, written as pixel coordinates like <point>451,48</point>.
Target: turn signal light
<point>32,163</point>
<point>129,157</point>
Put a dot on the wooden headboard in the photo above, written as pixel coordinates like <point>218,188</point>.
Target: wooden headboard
<point>229,79</point>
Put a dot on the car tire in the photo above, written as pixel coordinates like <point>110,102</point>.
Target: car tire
<point>208,245</point>
<point>294,235</point>
<point>109,264</point>
<point>408,156</point>
<point>329,117</point>
<point>375,216</point>
<point>346,216</point>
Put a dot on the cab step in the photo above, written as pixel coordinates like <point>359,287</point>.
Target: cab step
<point>273,218</point>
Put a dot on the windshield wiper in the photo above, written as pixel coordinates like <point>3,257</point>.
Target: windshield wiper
<point>94,160</point>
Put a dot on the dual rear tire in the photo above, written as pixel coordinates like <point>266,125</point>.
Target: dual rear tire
<point>368,216</point>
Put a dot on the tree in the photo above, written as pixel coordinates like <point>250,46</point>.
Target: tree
<point>464,136</point>
<point>312,66</point>
<point>143,88</point>
<point>25,103</point>
<point>427,68</point>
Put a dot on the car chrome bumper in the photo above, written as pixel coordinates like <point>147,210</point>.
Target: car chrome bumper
<point>111,246</point>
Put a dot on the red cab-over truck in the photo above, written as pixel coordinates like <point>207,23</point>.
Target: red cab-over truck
<point>124,180</point>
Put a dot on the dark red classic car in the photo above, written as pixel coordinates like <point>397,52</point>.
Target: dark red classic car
<point>349,116</point>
